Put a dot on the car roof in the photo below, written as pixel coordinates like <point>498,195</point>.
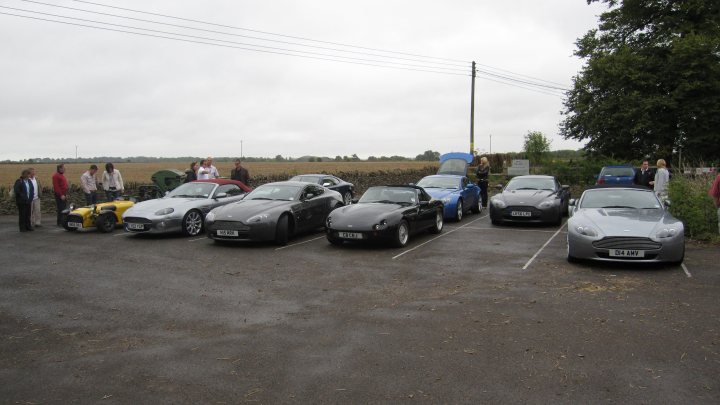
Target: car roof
<point>616,186</point>
<point>618,166</point>
<point>534,176</point>
<point>221,182</point>
<point>456,176</point>
<point>402,186</point>
<point>313,174</point>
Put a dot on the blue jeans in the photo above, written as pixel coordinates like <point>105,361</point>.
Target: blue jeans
<point>91,198</point>
<point>112,195</point>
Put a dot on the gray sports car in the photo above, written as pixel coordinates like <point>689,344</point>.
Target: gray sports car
<point>273,211</point>
<point>530,199</point>
<point>625,224</point>
<point>184,208</point>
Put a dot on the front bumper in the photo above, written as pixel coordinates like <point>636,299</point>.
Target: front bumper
<point>531,214</point>
<point>261,231</point>
<point>382,235</point>
<point>654,250</point>
<point>152,225</point>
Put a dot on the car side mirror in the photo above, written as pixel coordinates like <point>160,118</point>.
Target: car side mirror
<point>571,202</point>
<point>499,186</point>
<point>167,192</point>
<point>667,203</point>
<point>565,187</point>
<point>355,200</point>
<point>308,196</point>
<point>220,195</point>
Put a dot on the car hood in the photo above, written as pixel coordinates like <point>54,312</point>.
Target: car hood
<point>525,197</point>
<point>440,193</point>
<point>244,209</point>
<point>364,215</point>
<point>149,207</point>
<point>624,221</point>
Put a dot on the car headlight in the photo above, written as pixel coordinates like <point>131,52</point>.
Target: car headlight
<point>381,225</point>
<point>498,203</point>
<point>666,233</point>
<point>165,211</point>
<point>546,204</point>
<point>257,218</point>
<point>586,230</point>
<point>328,222</point>
<point>210,217</point>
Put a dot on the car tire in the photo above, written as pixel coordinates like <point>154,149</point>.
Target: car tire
<point>438,226</point>
<point>459,211</point>
<point>192,223</point>
<point>347,198</point>
<point>559,219</point>
<point>682,258</point>
<point>477,208</point>
<point>402,234</point>
<point>282,230</point>
<point>496,221</point>
<point>571,258</point>
<point>105,223</point>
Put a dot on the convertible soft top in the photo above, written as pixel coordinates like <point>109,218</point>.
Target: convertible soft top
<point>226,181</point>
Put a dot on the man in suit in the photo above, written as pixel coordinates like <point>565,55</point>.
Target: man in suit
<point>644,175</point>
<point>24,193</point>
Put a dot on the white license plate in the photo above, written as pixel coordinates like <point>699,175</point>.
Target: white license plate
<point>350,235</point>
<point>225,232</point>
<point>74,224</point>
<point>626,253</point>
<point>135,226</point>
<point>520,214</point>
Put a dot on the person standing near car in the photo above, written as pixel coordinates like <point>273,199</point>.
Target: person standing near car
<point>191,173</point>
<point>112,182</point>
<point>643,176</point>
<point>203,172</point>
<point>662,177</point>
<point>36,208</point>
<point>483,172</point>
<point>214,174</point>
<point>60,189</point>
<point>24,193</point>
<point>714,192</point>
<point>240,173</point>
<point>89,186</point>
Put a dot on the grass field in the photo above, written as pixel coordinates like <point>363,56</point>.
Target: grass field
<point>141,172</point>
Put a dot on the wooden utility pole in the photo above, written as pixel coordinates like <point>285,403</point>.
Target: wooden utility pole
<point>472,112</point>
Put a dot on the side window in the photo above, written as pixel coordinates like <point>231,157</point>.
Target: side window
<point>229,189</point>
<point>328,182</point>
<point>424,196</point>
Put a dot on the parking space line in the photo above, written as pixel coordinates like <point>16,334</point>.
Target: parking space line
<point>685,269</point>
<point>437,237</point>
<point>195,240</point>
<point>299,243</point>
<point>122,234</point>
<point>509,229</point>
<point>543,247</point>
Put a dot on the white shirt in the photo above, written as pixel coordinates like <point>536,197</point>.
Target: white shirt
<point>214,174</point>
<point>36,194</point>
<point>203,173</point>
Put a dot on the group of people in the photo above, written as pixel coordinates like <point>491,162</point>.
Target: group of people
<point>657,180</point>
<point>205,170</point>
<point>27,192</point>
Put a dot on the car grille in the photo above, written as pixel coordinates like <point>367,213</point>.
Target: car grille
<point>629,243</point>
<point>74,218</point>
<point>137,220</point>
<point>230,226</point>
<point>507,212</point>
<point>605,255</point>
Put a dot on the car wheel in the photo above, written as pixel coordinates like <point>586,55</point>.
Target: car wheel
<point>438,226</point>
<point>105,223</point>
<point>496,221</point>
<point>682,258</point>
<point>558,221</point>
<point>192,223</point>
<point>459,211</point>
<point>347,198</point>
<point>477,208</point>
<point>402,234</point>
<point>282,231</point>
<point>571,258</point>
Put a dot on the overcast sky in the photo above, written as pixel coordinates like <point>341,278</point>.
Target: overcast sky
<point>114,93</point>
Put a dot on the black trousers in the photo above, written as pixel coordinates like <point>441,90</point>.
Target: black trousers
<point>483,184</point>
<point>24,216</point>
<point>60,205</point>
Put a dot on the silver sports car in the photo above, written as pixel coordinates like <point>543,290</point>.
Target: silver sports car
<point>184,208</point>
<point>274,211</point>
<point>625,224</point>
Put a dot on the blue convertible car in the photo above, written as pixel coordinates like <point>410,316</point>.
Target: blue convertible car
<point>452,187</point>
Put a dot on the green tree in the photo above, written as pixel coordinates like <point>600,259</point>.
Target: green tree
<point>279,158</point>
<point>429,155</point>
<point>651,84</point>
<point>536,146</point>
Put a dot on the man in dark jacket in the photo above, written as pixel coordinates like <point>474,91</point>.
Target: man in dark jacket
<point>644,175</point>
<point>24,193</point>
<point>240,173</point>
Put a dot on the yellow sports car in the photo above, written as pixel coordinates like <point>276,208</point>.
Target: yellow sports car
<point>105,216</point>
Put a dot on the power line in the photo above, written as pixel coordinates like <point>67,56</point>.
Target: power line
<point>521,81</point>
<point>236,35</point>
<point>231,46</point>
<point>238,43</point>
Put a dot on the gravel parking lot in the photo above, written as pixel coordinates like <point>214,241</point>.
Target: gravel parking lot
<point>477,314</point>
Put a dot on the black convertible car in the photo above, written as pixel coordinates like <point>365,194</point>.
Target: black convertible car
<point>389,213</point>
<point>347,190</point>
<point>273,211</point>
<point>538,199</point>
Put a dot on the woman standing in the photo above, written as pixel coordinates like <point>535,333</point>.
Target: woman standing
<point>191,173</point>
<point>662,177</point>
<point>112,182</point>
<point>483,172</point>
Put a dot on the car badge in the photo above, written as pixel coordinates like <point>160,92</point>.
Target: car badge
<point>626,230</point>
<point>349,226</point>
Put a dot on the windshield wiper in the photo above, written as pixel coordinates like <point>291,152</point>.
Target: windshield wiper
<point>525,188</point>
<point>618,206</point>
<point>184,196</point>
<point>260,198</point>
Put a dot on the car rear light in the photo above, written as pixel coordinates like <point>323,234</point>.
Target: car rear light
<point>601,180</point>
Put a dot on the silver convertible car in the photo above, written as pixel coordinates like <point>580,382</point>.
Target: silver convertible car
<point>184,208</point>
<point>623,224</point>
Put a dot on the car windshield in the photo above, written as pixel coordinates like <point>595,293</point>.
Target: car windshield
<point>619,198</point>
<point>389,195</point>
<point>618,172</point>
<point>282,192</point>
<point>193,190</point>
<point>438,182</point>
<point>530,183</point>
<point>307,179</point>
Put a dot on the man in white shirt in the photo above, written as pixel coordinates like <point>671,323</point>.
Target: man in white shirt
<point>36,208</point>
<point>214,174</point>
<point>204,171</point>
<point>89,185</point>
